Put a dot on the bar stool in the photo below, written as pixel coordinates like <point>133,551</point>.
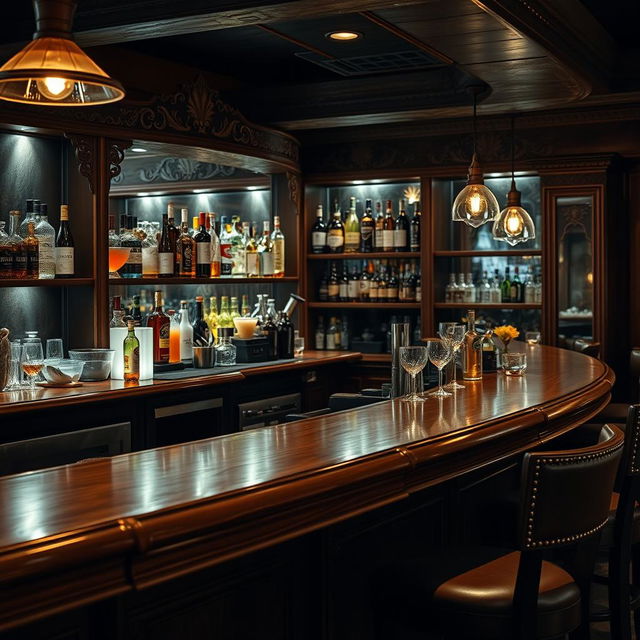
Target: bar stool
<point>621,538</point>
<point>493,594</point>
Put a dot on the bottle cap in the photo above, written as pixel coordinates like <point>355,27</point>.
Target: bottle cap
<point>203,219</point>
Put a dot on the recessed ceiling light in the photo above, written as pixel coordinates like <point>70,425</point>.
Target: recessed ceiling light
<point>343,35</point>
<point>138,150</point>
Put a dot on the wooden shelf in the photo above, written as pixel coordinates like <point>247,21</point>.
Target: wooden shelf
<point>487,254</point>
<point>55,282</point>
<point>487,305</point>
<point>213,281</point>
<point>364,256</point>
<point>364,305</point>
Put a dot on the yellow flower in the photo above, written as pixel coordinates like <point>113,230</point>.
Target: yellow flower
<point>506,333</point>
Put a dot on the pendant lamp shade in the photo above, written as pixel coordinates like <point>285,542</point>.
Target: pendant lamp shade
<point>52,70</point>
<point>475,204</point>
<point>514,225</point>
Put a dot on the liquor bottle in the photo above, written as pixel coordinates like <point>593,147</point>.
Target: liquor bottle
<point>286,334</point>
<point>379,228</point>
<point>6,254</point>
<point>335,233</point>
<point>186,333</point>
<point>215,246</point>
<point>406,293</point>
<point>195,226</point>
<point>471,293</point>
<point>173,234</point>
<point>117,313</point>
<point>374,281</point>
<point>224,317</point>
<point>393,287</point>
<point>251,253</point>
<point>31,243</point>
<point>203,249</point>
<point>529,289</point>
<point>46,245</point>
<point>333,285</point>
<point>415,228</point>
<point>238,253</point>
<point>213,318</point>
<point>18,246</point>
<point>344,284</point>
<point>354,286</point>
<point>418,287</point>
<point>270,331</point>
<point>245,309</point>
<point>226,258</point>
<point>505,287</point>
<point>150,252</point>
<point>449,290</point>
<point>29,216</point>
<point>319,233</point>
<point>159,321</point>
<point>401,229</point>
<point>344,333</point>
<point>517,290</point>
<point>266,252</point>
<point>484,289</point>
<point>136,312</point>
<point>319,335</point>
<point>278,249</point>
<point>352,229</point>
<point>166,263</point>
<point>234,311</point>
<point>174,336</point>
<point>401,284</point>
<point>201,332</point>
<point>365,284</point>
<point>472,350</point>
<point>64,249</point>
<point>332,336</point>
<point>496,288</point>
<point>382,283</point>
<point>388,226</point>
<point>186,249</point>
<point>367,229</point>
<point>131,353</point>
<point>323,289</point>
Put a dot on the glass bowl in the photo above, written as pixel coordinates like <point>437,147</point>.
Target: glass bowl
<point>97,362</point>
<point>62,371</point>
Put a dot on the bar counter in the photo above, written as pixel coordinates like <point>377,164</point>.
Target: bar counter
<point>88,532</point>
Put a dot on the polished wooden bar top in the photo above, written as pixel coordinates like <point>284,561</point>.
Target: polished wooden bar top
<point>43,398</point>
<point>134,520</point>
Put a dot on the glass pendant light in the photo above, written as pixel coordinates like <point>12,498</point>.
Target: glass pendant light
<point>514,224</point>
<point>475,204</point>
<point>52,70</point>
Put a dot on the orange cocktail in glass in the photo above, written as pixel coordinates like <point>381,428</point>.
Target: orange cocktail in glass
<point>117,258</point>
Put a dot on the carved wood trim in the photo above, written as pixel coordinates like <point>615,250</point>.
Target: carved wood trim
<point>85,149</point>
<point>116,155</point>
<point>293,181</point>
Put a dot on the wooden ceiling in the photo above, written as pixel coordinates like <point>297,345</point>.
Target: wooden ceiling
<point>415,60</point>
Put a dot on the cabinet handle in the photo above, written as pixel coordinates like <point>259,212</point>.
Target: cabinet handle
<point>187,407</point>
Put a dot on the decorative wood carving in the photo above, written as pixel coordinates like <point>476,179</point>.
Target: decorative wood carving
<point>293,180</point>
<point>116,156</point>
<point>85,148</point>
<point>195,109</point>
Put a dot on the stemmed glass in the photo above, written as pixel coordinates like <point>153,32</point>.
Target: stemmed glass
<point>439,354</point>
<point>453,334</point>
<point>32,361</point>
<point>413,361</point>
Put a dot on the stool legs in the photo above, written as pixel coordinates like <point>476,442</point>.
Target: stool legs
<point>620,592</point>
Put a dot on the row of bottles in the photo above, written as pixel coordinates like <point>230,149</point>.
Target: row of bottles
<point>204,250</point>
<point>370,232</point>
<point>31,248</point>
<point>372,281</point>
<point>496,289</point>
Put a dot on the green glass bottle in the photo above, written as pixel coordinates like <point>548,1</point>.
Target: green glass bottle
<point>352,229</point>
<point>131,351</point>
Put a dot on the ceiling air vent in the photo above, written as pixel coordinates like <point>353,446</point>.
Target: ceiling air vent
<point>366,65</point>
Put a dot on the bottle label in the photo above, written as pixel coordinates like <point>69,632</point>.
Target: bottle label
<point>333,290</point>
<point>132,361</point>
<point>373,291</point>
<point>366,232</point>
<point>215,251</point>
<point>186,348</point>
<point>392,292</point>
<point>253,263</point>
<point>226,259</point>
<point>344,290</point>
<point>415,239</point>
<point>387,239</point>
<point>352,238</point>
<point>400,238</point>
<point>354,289</point>
<point>335,240</point>
<point>163,337</point>
<point>203,253</point>
<point>46,253</point>
<point>379,242</point>
<point>150,260</point>
<point>364,287</point>
<point>266,262</point>
<point>419,293</point>
<point>331,341</point>
<point>64,261</point>
<point>319,340</point>
<point>186,258</point>
<point>278,255</point>
<point>319,239</point>
<point>135,256</point>
<point>165,263</point>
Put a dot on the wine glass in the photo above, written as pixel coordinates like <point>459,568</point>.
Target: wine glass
<point>453,334</point>
<point>32,361</point>
<point>118,256</point>
<point>439,354</point>
<point>413,361</point>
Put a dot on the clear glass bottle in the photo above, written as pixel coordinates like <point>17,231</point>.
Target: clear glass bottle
<point>31,244</point>
<point>215,247</point>
<point>225,350</point>
<point>186,248</point>
<point>18,246</point>
<point>472,350</point>
<point>277,238</point>
<point>271,309</point>
<point>133,265</point>
<point>251,252</point>
<point>226,256</point>
<point>352,229</point>
<point>29,216</point>
<point>450,289</point>
<point>46,235</point>
<point>266,252</point>
<point>174,336</point>
<point>332,335</point>
<point>117,313</point>
<point>239,261</point>
<point>150,250</point>
<point>245,310</point>
<point>471,294</point>
<point>6,254</point>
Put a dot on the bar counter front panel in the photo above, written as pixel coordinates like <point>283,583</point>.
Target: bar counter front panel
<point>283,522</point>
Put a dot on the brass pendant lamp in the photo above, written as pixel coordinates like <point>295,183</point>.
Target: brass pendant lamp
<point>52,70</point>
<point>475,204</point>
<point>514,224</point>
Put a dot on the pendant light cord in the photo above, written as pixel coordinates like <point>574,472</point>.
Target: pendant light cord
<point>475,132</point>
<point>513,148</point>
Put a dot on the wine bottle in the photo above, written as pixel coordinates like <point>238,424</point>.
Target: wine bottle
<point>131,353</point>
<point>414,230</point>
<point>159,321</point>
<point>379,228</point>
<point>203,250</point>
<point>333,286</point>
<point>201,332</point>
<point>388,240</point>
<point>367,228</point>
<point>335,233</point>
<point>166,262</point>
<point>277,238</point>
<point>401,229</point>
<point>65,247</point>
<point>186,249</point>
<point>319,233</point>
<point>352,229</point>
